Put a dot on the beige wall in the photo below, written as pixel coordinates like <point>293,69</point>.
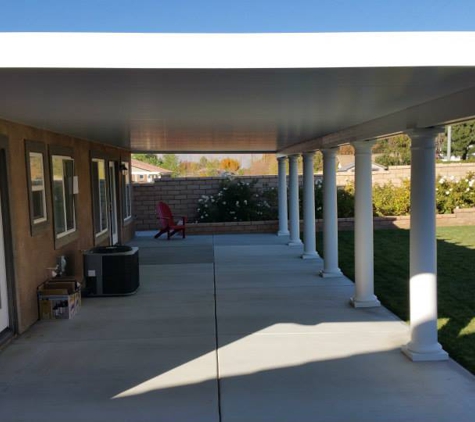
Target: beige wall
<point>35,253</point>
<point>396,174</point>
<point>182,194</point>
<point>461,217</point>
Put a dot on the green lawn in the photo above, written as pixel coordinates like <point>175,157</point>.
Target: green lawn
<point>456,281</point>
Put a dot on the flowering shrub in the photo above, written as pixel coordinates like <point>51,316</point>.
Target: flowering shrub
<point>452,193</point>
<point>392,200</point>
<point>268,204</point>
<point>318,199</point>
<point>345,200</point>
<point>238,201</point>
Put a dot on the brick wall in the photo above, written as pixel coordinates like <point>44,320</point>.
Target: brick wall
<point>396,174</point>
<point>234,228</point>
<point>463,217</point>
<point>182,194</point>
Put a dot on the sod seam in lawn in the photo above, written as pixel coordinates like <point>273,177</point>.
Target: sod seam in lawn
<point>456,281</point>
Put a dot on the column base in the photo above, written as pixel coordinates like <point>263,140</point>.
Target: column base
<point>331,274</point>
<point>434,356</point>
<point>283,233</point>
<point>310,255</point>
<point>372,303</point>
<point>295,243</point>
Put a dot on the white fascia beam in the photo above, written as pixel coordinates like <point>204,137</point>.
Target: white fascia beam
<point>219,51</point>
<point>442,111</point>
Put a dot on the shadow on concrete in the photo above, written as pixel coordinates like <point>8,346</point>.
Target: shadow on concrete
<point>285,346</point>
<point>455,283</point>
<point>338,389</point>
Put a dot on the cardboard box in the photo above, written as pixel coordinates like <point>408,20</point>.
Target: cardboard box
<point>70,279</point>
<point>59,299</point>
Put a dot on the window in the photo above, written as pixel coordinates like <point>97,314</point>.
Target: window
<point>99,196</point>
<point>126,192</point>
<point>38,187</point>
<point>63,195</point>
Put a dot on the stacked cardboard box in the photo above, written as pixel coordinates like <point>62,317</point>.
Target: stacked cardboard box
<point>59,298</point>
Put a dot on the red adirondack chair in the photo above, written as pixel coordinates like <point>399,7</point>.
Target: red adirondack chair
<point>167,223</point>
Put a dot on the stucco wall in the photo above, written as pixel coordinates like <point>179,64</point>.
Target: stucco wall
<point>35,253</point>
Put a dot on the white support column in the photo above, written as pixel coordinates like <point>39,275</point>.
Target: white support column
<point>309,241</point>
<point>330,215</point>
<point>423,251</point>
<point>294,202</point>
<point>283,212</point>
<point>364,266</point>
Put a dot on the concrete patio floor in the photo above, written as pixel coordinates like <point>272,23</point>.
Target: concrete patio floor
<point>227,328</point>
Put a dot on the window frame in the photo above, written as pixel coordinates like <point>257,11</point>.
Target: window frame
<point>103,234</point>
<point>70,235</point>
<point>42,189</point>
<point>38,148</point>
<point>126,189</point>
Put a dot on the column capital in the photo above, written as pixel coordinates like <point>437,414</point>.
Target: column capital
<point>282,157</point>
<point>329,151</point>
<point>424,138</point>
<point>294,157</point>
<point>309,155</point>
<point>363,147</point>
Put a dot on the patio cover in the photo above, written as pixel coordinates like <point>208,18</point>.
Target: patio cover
<point>235,92</point>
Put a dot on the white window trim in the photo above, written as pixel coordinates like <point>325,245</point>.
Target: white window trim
<point>106,230</point>
<point>129,196</point>
<point>37,188</point>
<point>65,233</point>
<point>102,232</point>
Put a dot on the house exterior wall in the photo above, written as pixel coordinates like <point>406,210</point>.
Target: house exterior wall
<point>147,176</point>
<point>34,253</point>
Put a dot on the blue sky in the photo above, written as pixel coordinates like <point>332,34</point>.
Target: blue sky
<point>236,15</point>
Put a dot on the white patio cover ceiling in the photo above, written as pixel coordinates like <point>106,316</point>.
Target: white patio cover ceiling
<point>235,92</point>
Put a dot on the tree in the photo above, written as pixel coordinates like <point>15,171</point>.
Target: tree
<point>463,138</point>
<point>318,162</point>
<point>395,151</point>
<point>266,164</point>
<point>212,168</point>
<point>171,162</point>
<point>346,150</point>
<point>189,169</point>
<point>148,158</point>
<point>229,164</point>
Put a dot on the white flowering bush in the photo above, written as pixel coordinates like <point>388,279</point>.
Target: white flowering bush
<point>238,201</point>
<point>391,200</point>
<point>453,193</point>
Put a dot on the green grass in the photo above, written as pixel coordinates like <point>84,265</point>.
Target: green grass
<point>456,282</point>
